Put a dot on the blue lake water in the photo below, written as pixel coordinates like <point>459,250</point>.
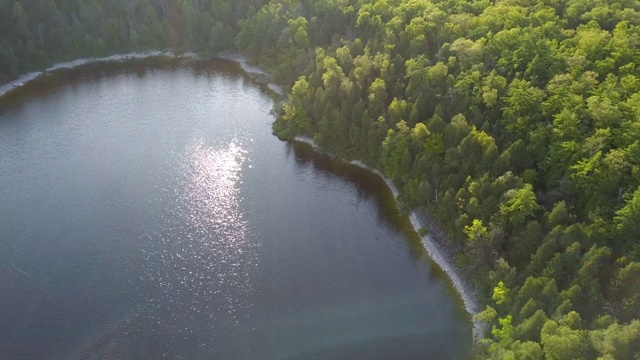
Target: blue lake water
<point>147,212</point>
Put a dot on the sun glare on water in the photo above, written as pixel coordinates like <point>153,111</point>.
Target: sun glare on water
<point>201,257</point>
<point>212,192</point>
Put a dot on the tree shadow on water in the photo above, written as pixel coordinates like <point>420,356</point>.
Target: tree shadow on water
<point>369,187</point>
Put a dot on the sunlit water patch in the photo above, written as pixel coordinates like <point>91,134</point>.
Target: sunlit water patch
<point>201,257</point>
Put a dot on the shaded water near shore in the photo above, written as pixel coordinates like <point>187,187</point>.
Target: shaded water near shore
<point>148,212</point>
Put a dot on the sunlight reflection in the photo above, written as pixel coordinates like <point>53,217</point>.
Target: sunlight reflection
<point>213,190</point>
<point>202,256</point>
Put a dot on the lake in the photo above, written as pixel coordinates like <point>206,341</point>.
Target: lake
<point>147,212</point>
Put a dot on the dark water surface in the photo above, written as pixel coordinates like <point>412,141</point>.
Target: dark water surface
<point>147,212</point>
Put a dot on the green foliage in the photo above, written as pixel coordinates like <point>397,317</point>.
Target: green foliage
<point>34,35</point>
<point>562,342</point>
<point>519,205</point>
<point>618,341</point>
<point>423,231</point>
<point>501,293</point>
<point>626,219</point>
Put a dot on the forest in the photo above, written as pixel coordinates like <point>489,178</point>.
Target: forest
<point>514,123</point>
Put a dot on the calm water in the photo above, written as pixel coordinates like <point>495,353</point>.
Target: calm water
<point>147,212</point>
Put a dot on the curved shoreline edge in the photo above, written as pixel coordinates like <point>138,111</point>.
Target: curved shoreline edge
<point>28,77</point>
<point>435,250</point>
<point>253,72</point>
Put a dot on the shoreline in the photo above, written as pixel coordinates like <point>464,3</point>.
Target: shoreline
<point>255,73</point>
<point>435,249</point>
<point>28,77</point>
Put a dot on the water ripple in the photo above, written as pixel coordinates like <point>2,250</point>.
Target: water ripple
<point>200,259</point>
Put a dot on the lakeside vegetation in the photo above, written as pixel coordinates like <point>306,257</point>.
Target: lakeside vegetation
<point>36,34</point>
<point>515,123</point>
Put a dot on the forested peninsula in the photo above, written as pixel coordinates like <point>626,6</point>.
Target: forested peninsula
<point>515,123</point>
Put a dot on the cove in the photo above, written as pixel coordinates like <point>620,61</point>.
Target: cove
<point>148,212</point>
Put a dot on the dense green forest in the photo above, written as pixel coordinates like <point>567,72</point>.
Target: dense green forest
<point>516,123</point>
<point>35,34</point>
